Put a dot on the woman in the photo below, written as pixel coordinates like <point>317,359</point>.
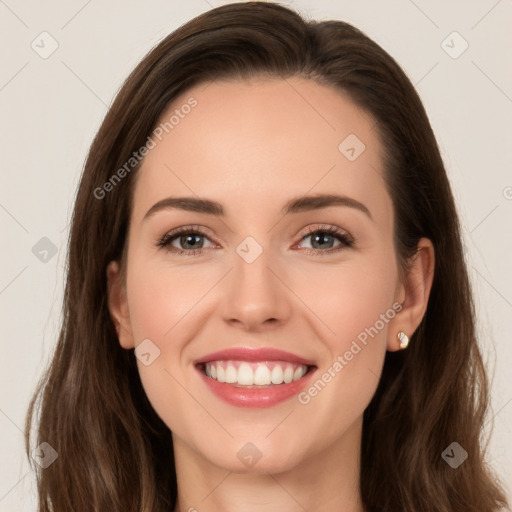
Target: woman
<point>214,355</point>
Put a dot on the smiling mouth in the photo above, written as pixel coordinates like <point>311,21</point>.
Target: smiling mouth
<point>261,374</point>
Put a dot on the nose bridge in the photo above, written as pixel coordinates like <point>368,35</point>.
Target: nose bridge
<point>255,293</point>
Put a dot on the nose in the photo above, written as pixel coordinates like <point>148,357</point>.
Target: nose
<point>256,296</point>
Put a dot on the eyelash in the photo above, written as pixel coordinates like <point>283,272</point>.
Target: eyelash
<point>345,239</point>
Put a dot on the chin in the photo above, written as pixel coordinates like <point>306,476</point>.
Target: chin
<point>256,457</point>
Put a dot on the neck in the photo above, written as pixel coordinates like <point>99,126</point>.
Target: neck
<point>325,481</point>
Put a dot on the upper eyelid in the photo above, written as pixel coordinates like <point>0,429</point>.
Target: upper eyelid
<point>203,231</point>
<point>186,229</point>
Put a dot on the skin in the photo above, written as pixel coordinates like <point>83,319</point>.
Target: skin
<point>252,146</point>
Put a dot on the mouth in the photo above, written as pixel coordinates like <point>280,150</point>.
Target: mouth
<point>254,374</point>
<point>254,378</point>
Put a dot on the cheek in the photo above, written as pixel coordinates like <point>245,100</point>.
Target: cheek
<point>356,306</point>
<point>164,304</point>
<point>352,300</point>
<point>160,298</point>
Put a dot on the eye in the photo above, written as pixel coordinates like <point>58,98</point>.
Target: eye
<point>191,240</point>
<point>323,237</point>
<point>189,237</point>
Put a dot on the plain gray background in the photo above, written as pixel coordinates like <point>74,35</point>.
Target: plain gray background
<point>51,108</point>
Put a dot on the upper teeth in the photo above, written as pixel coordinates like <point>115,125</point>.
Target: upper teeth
<point>259,374</point>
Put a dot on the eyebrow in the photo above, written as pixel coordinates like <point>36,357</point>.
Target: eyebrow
<point>295,205</point>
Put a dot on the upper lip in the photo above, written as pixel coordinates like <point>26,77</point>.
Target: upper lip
<point>254,355</point>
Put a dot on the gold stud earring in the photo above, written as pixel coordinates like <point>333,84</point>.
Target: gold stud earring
<point>404,339</point>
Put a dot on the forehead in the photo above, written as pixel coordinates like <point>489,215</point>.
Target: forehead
<point>260,142</point>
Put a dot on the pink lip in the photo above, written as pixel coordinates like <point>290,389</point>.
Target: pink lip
<point>249,354</point>
<point>254,397</point>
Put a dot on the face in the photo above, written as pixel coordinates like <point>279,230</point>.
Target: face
<point>273,273</point>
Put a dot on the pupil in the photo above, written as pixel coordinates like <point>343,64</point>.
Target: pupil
<point>321,237</point>
<point>187,238</point>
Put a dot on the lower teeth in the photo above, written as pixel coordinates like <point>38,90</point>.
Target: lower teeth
<point>252,385</point>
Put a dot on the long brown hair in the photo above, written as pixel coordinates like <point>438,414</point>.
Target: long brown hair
<point>114,452</point>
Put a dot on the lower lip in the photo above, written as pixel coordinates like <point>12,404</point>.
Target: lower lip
<point>255,397</point>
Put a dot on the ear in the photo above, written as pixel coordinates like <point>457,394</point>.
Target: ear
<point>118,305</point>
<point>413,293</point>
